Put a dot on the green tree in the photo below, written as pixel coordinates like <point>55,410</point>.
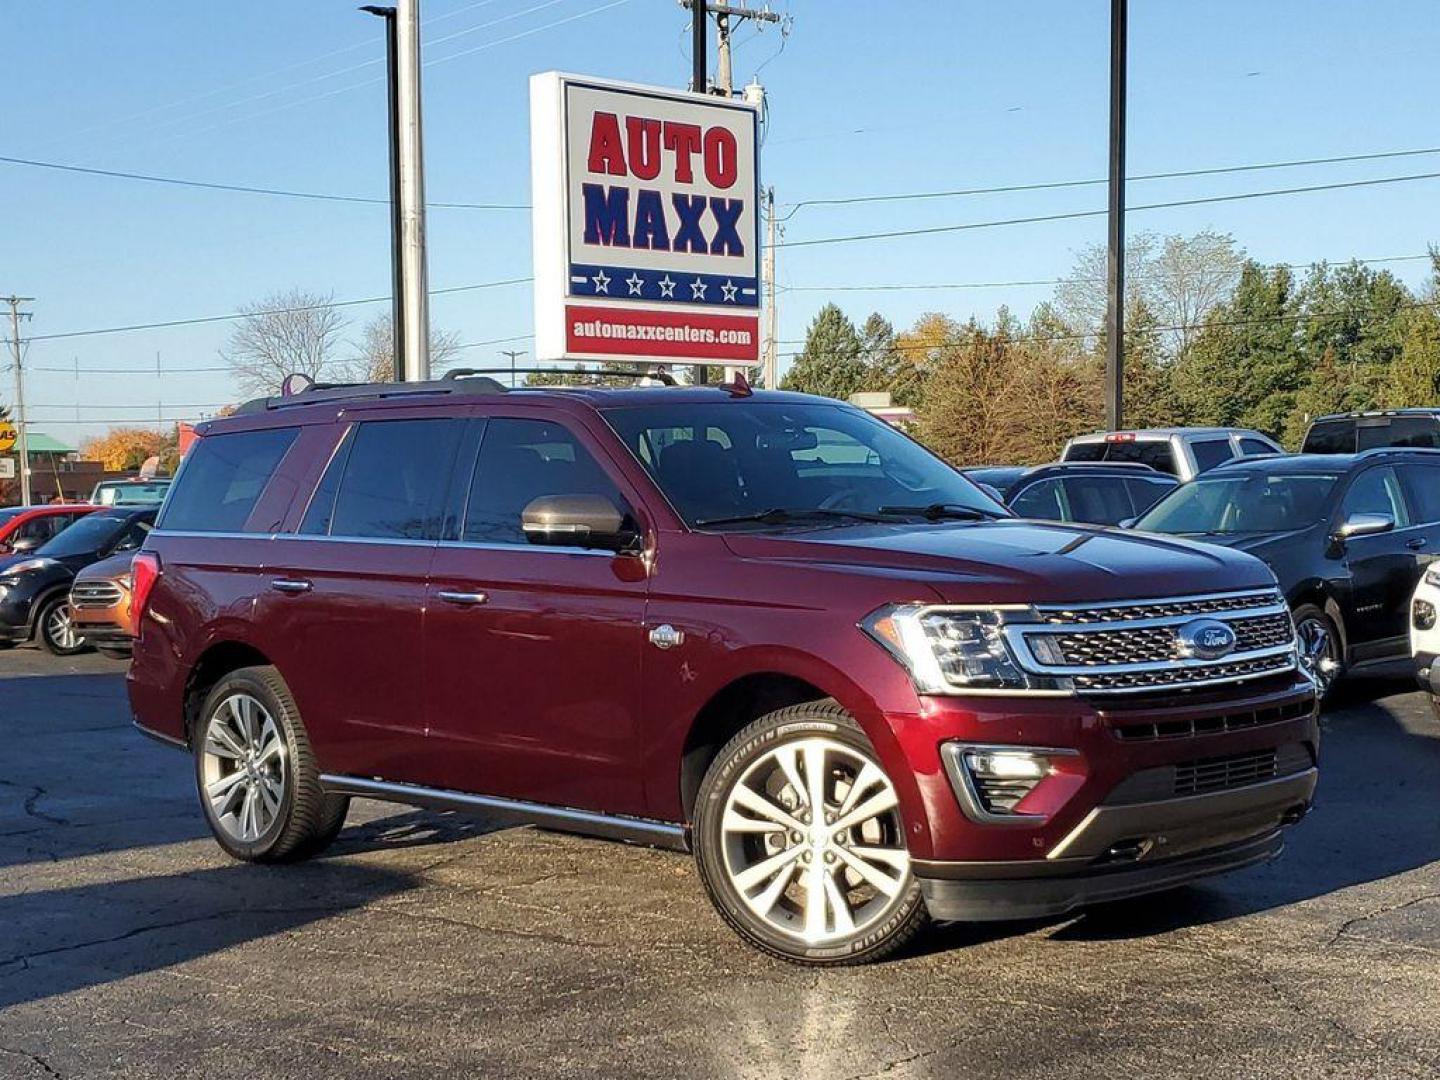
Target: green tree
<point>831,362</point>
<point>1414,376</point>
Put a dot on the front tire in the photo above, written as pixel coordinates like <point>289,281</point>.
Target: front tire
<point>256,775</point>
<point>1321,647</point>
<point>800,842</point>
<point>55,627</point>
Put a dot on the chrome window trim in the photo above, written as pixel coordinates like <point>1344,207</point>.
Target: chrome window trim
<point>546,549</point>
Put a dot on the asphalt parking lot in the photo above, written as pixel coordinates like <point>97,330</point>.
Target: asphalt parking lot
<point>426,945</point>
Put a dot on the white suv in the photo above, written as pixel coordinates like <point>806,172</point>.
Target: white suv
<point>1425,634</point>
<point>1183,452</point>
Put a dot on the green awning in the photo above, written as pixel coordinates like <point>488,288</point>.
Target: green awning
<point>40,443</point>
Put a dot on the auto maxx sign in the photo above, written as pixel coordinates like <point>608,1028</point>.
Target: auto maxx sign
<point>646,223</point>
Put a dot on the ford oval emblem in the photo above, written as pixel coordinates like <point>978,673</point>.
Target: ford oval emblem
<point>1205,639</point>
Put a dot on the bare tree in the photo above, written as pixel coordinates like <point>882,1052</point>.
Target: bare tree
<point>287,333</point>
<point>375,353</point>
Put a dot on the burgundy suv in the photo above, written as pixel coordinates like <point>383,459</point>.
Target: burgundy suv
<point>763,627</point>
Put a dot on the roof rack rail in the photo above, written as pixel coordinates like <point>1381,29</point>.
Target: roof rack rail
<point>325,392</point>
<point>467,373</point>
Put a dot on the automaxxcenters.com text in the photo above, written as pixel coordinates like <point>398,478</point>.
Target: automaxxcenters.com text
<point>685,334</point>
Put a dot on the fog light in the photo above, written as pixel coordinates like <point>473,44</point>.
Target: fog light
<point>991,781</point>
<point>1422,614</point>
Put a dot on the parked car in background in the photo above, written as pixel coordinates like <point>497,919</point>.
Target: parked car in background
<point>130,492</point>
<point>1425,635</point>
<point>100,604</point>
<point>1183,452</point>
<point>1348,536</point>
<point>35,588</point>
<point>1099,494</point>
<point>764,627</point>
<point>994,479</point>
<point>25,528</point>
<point>1349,433</point>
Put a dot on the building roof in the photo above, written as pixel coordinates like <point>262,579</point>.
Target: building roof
<point>40,443</point>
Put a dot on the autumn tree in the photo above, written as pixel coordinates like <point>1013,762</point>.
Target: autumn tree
<point>287,333</point>
<point>124,449</point>
<point>374,359</point>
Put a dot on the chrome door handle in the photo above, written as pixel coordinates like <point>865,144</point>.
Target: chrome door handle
<point>291,585</point>
<point>466,599</point>
<point>1415,543</point>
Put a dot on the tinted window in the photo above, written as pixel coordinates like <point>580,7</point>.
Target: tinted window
<point>1330,437</point>
<point>1255,446</point>
<point>1377,491</point>
<point>1422,484</point>
<point>223,478</point>
<point>1242,502</point>
<point>1415,431</point>
<point>1156,453</point>
<point>90,534</point>
<point>1040,500</point>
<point>1211,452</point>
<point>519,461</point>
<point>388,481</point>
<point>723,460</point>
<point>1146,493</point>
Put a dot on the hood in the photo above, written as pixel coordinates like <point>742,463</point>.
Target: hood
<point>36,562</point>
<point>1017,561</point>
<point>110,567</point>
<point>1261,545</point>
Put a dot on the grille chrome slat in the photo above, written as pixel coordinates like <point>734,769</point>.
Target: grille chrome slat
<point>1178,608</point>
<point>95,594</point>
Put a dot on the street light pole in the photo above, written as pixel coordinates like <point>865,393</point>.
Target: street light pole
<point>415,345</point>
<point>512,354</point>
<point>397,240</point>
<point>1115,298</point>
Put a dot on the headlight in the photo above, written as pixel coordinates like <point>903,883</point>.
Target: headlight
<point>26,566</point>
<point>1432,576</point>
<point>952,651</point>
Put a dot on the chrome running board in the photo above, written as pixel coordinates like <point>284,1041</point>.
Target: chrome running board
<point>631,830</point>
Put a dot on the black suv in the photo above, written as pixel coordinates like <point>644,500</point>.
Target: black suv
<point>1102,493</point>
<point>1348,536</point>
<point>1348,433</point>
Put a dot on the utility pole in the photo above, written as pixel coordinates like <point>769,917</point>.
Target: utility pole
<point>22,443</point>
<point>414,348</point>
<point>512,354</point>
<point>397,230</point>
<point>1115,301</point>
<point>723,12</point>
<point>770,361</point>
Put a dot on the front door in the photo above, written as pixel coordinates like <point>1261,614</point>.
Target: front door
<point>1382,565</point>
<point>341,603</point>
<point>533,653</point>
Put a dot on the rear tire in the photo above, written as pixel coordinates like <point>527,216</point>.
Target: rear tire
<point>55,627</point>
<point>255,773</point>
<point>778,869</point>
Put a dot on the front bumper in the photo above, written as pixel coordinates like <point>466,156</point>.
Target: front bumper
<point>1125,849</point>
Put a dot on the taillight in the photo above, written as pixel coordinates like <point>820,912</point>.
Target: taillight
<point>144,572</point>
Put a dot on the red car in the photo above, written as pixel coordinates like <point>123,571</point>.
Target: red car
<point>25,528</point>
<point>762,627</point>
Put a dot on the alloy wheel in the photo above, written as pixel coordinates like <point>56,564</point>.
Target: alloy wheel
<point>244,767</point>
<point>1319,650</point>
<point>60,629</point>
<point>813,842</point>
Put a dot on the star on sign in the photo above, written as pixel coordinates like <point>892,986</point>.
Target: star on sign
<point>728,290</point>
<point>636,283</point>
<point>667,287</point>
<point>602,283</point>
<point>697,289</point>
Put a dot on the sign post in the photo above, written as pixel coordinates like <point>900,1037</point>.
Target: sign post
<point>646,224</point>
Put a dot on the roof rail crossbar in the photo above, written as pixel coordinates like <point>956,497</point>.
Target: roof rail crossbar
<point>323,392</point>
<point>459,374</point>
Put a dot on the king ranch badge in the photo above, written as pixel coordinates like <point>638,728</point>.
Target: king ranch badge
<point>646,223</point>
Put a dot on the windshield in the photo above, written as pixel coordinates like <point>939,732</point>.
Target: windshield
<point>1245,502</point>
<point>726,462</point>
<point>129,494</point>
<point>91,533</point>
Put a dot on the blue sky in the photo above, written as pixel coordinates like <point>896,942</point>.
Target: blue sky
<point>865,98</point>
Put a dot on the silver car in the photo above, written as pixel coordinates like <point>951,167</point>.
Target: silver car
<point>1183,452</point>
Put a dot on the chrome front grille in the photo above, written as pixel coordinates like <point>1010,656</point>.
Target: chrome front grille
<point>1135,647</point>
<point>95,594</point>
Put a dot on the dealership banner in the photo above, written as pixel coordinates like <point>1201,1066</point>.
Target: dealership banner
<point>646,223</point>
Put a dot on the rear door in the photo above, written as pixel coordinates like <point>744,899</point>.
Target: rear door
<point>1382,566</point>
<point>533,652</point>
<point>341,601</point>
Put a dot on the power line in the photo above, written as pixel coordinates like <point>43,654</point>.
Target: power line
<point>1073,215</point>
<point>918,286</point>
<point>1057,184</point>
<point>266,311</point>
<point>243,188</point>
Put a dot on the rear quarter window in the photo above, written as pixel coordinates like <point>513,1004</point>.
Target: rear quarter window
<point>1330,437</point>
<point>223,479</point>
<point>1211,452</point>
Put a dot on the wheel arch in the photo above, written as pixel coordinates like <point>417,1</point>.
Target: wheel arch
<point>1318,592</point>
<point>218,660</point>
<point>38,605</point>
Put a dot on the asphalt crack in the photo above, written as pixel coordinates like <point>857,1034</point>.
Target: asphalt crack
<point>1388,909</point>
<point>36,794</point>
<point>34,1059</point>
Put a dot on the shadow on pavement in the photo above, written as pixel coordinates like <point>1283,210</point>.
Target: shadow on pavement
<point>1377,814</point>
<point>66,939</point>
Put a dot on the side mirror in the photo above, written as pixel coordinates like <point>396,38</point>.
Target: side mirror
<point>588,521</point>
<point>24,544</point>
<point>1364,525</point>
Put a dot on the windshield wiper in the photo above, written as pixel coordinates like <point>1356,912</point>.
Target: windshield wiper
<point>943,512</point>
<point>780,516</point>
